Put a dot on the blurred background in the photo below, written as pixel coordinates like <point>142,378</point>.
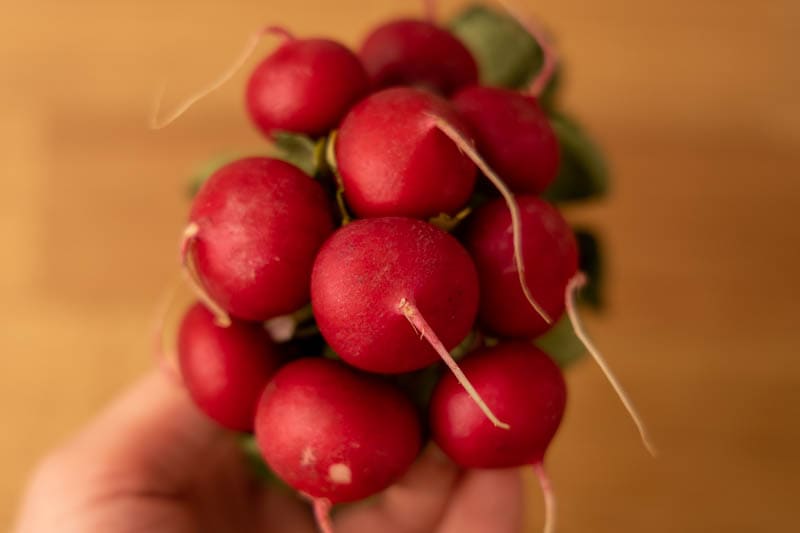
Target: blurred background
<point>695,104</point>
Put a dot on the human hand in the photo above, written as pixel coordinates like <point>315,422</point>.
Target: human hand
<point>152,463</point>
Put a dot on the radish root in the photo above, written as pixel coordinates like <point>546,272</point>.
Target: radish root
<point>221,318</point>
<point>549,498</point>
<point>322,513</point>
<point>163,358</point>
<point>516,222</point>
<point>244,55</point>
<point>574,285</point>
<point>549,55</point>
<point>422,327</point>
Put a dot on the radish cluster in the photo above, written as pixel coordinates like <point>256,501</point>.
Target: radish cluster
<point>396,222</point>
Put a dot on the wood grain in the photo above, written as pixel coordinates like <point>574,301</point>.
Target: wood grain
<point>696,105</point>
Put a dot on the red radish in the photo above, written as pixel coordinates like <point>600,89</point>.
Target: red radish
<point>374,276</point>
<point>523,386</point>
<point>335,434</point>
<point>225,369</point>
<point>418,53</point>
<point>574,284</point>
<point>394,162</point>
<point>514,135</point>
<point>550,255</point>
<point>255,228</point>
<point>305,86</point>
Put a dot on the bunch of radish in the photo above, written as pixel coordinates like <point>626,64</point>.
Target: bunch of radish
<point>389,270</point>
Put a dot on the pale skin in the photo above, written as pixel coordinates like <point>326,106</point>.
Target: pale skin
<point>152,463</point>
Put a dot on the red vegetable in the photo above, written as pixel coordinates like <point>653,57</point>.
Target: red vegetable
<point>225,369</point>
<point>258,224</point>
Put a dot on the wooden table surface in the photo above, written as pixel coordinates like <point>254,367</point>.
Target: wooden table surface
<point>695,104</point>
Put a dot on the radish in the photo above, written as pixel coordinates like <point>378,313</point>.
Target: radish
<point>418,53</point>
<point>512,131</point>
<point>381,288</point>
<point>255,227</point>
<point>550,255</point>
<point>522,385</point>
<point>393,162</point>
<point>225,369</point>
<point>305,86</point>
<point>334,434</point>
<point>514,134</point>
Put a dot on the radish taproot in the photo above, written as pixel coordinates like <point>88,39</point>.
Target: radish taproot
<point>550,256</point>
<point>335,434</point>
<point>417,53</point>
<point>255,228</point>
<point>383,289</point>
<point>225,369</point>
<point>305,86</point>
<point>394,162</point>
<point>523,386</point>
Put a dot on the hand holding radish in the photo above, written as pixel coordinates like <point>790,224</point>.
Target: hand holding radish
<point>387,294</point>
<point>153,462</point>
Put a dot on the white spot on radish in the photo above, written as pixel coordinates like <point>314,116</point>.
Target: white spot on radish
<point>281,328</point>
<point>308,457</point>
<point>340,473</point>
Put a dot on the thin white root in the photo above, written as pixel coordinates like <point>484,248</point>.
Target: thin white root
<point>516,221</point>
<point>549,498</point>
<point>420,325</point>
<point>238,63</point>
<point>322,513</point>
<point>575,283</point>
<point>221,317</point>
<point>549,54</point>
<point>165,360</point>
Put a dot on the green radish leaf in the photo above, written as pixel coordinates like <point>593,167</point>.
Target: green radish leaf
<point>561,344</point>
<point>591,262</point>
<point>301,151</point>
<point>507,55</point>
<point>583,173</point>
<point>206,169</point>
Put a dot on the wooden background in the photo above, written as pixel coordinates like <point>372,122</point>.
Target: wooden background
<point>696,105</point>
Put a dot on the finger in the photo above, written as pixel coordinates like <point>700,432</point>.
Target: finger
<point>152,432</point>
<point>282,511</point>
<point>415,504</point>
<point>486,500</point>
